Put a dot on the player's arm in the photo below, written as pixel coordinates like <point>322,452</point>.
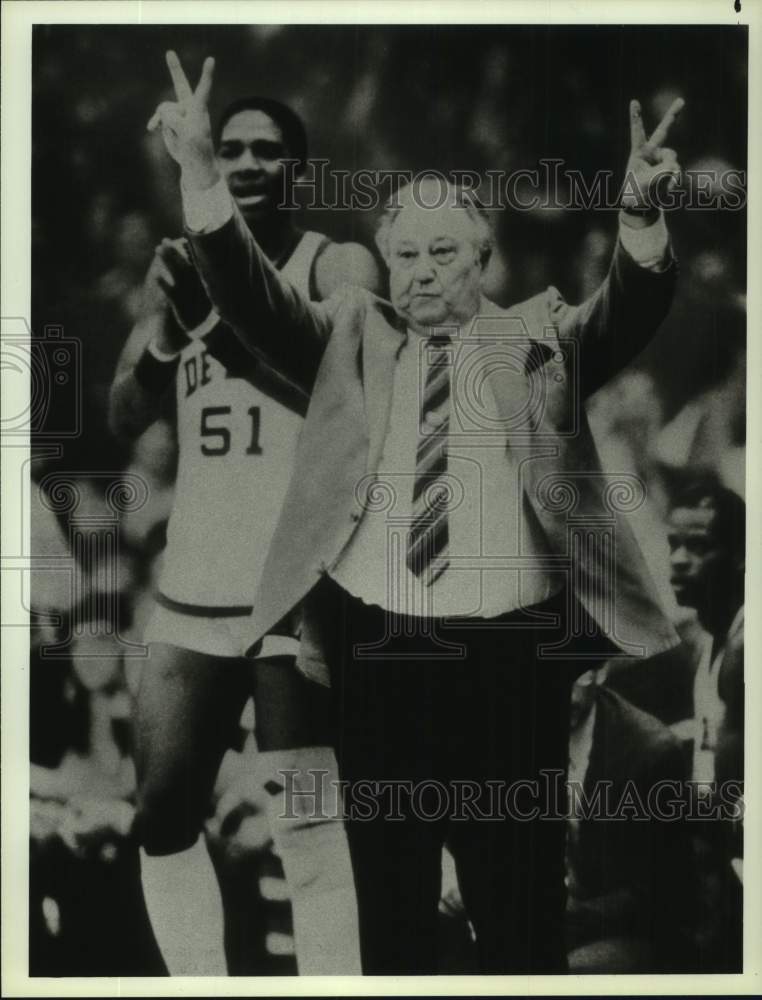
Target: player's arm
<point>346,264</point>
<point>142,377</point>
<point>267,314</point>
<point>175,307</point>
<point>148,362</point>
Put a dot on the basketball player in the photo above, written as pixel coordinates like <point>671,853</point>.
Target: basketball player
<point>237,426</point>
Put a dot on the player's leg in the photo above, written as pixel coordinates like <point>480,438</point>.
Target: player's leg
<point>187,704</point>
<point>299,774</point>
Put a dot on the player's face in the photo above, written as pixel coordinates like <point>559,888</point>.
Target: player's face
<point>699,563</point>
<point>434,269</point>
<point>250,158</point>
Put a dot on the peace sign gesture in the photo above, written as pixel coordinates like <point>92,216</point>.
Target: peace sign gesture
<point>185,124</point>
<point>650,161</point>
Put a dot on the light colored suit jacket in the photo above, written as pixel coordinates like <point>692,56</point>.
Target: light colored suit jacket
<point>344,351</point>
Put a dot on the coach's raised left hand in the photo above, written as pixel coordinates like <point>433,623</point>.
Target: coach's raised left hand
<point>652,167</point>
<point>185,125</point>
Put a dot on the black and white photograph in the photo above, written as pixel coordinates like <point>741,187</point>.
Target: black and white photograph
<point>375,571</point>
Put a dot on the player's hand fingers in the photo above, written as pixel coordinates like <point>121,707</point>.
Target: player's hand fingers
<point>167,113</point>
<point>167,290</point>
<point>668,165</point>
<point>637,129</point>
<point>154,121</point>
<point>204,87</point>
<point>666,161</point>
<point>660,132</point>
<point>665,155</point>
<point>173,258</point>
<point>182,247</point>
<point>183,89</point>
<point>180,244</point>
<point>162,274</point>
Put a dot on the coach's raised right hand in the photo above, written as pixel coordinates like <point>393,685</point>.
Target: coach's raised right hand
<point>185,125</point>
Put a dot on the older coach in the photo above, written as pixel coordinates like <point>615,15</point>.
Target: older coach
<point>458,552</point>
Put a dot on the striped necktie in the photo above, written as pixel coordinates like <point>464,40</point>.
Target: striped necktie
<point>428,537</point>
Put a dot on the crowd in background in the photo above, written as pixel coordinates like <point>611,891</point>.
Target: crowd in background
<point>104,194</point>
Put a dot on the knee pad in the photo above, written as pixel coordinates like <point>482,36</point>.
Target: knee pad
<point>306,822</point>
<point>303,797</point>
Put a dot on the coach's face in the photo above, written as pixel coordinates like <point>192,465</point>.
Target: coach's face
<point>250,158</point>
<point>434,268</point>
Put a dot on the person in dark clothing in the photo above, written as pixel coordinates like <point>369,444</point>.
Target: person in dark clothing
<point>628,868</point>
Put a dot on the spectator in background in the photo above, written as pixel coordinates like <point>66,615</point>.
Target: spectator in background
<point>626,416</point>
<point>628,879</point>
<point>698,689</point>
<point>132,248</point>
<point>707,537</point>
<point>706,438</point>
<point>86,913</point>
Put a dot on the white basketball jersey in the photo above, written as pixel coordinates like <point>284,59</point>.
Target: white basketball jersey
<point>236,451</point>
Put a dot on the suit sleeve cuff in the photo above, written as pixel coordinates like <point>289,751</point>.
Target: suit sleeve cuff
<point>207,211</point>
<point>647,247</point>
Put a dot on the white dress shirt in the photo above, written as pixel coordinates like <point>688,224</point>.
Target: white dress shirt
<point>486,518</point>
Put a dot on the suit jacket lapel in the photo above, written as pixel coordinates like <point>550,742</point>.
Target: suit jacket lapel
<point>507,330</point>
<point>381,345</point>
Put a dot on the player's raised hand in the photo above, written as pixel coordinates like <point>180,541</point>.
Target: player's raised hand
<point>185,124</point>
<point>651,163</point>
<point>178,279</point>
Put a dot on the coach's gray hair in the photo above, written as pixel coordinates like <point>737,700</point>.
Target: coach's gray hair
<point>453,195</point>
